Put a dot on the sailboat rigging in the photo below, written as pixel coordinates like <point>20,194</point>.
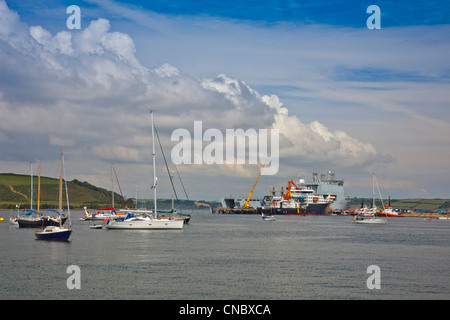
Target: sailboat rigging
<point>142,219</point>
<point>368,215</point>
<point>28,221</point>
<point>57,233</point>
<point>102,214</point>
<point>185,217</point>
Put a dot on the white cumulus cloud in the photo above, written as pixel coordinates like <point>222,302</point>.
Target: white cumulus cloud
<point>87,92</point>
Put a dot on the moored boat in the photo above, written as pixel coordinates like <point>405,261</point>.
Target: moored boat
<point>13,220</point>
<point>389,212</point>
<point>101,214</point>
<point>369,215</point>
<point>39,222</point>
<point>142,219</point>
<point>56,233</point>
<point>296,201</point>
<point>143,222</point>
<point>369,219</point>
<point>268,218</point>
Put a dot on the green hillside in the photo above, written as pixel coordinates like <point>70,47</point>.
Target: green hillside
<point>405,204</point>
<point>15,190</point>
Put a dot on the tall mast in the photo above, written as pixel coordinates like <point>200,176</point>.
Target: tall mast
<point>39,187</point>
<point>60,190</point>
<point>155,179</point>
<point>112,185</point>
<point>67,192</point>
<point>373,190</point>
<point>171,179</point>
<point>31,205</point>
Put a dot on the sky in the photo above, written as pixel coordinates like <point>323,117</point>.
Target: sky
<point>345,98</point>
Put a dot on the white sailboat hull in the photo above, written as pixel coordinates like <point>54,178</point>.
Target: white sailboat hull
<point>143,219</point>
<point>153,224</point>
<point>99,217</point>
<point>370,220</point>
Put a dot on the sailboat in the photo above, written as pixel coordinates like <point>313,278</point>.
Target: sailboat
<point>143,219</point>
<point>57,233</point>
<point>179,215</point>
<point>27,220</point>
<point>368,215</point>
<point>102,214</point>
<point>15,220</point>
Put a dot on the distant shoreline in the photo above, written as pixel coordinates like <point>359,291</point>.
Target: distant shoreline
<point>15,190</point>
<point>162,204</point>
<point>425,215</point>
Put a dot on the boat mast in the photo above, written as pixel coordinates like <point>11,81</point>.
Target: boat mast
<point>154,166</point>
<point>60,191</point>
<point>67,193</point>
<point>31,204</point>
<point>112,185</point>
<point>373,190</point>
<point>171,179</point>
<point>379,193</point>
<point>117,179</point>
<point>39,187</point>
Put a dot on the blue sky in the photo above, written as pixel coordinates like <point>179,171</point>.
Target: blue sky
<point>358,100</point>
<point>334,13</point>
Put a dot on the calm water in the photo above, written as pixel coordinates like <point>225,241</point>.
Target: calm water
<point>232,257</point>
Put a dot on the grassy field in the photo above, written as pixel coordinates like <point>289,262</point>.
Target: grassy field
<point>406,204</point>
<point>16,190</point>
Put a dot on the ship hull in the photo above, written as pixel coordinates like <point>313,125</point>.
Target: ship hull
<point>58,235</point>
<point>39,223</point>
<point>156,224</point>
<point>311,209</point>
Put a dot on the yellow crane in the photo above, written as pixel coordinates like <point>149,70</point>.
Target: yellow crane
<point>246,205</point>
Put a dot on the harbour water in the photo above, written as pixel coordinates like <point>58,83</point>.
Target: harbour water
<point>232,257</point>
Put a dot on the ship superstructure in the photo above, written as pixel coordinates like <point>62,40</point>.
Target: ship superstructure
<point>296,200</point>
<point>327,184</point>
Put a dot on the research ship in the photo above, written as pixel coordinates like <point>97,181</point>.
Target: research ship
<point>327,184</point>
<point>296,200</point>
<point>324,194</point>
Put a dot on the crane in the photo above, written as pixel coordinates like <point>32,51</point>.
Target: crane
<point>287,195</point>
<point>246,205</point>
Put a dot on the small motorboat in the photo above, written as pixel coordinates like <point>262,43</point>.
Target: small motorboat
<point>268,218</point>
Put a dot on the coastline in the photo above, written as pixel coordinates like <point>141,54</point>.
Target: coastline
<point>425,215</point>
